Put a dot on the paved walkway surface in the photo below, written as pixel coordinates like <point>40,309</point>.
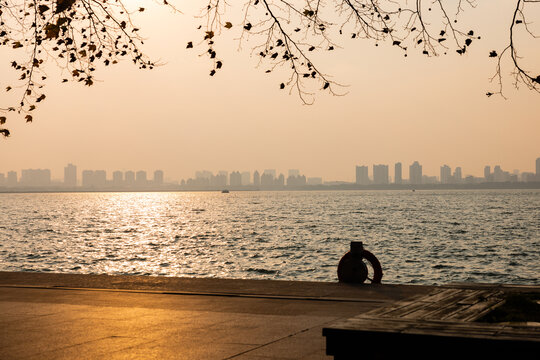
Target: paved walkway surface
<point>61,316</point>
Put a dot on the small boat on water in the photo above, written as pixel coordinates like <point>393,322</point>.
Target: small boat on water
<point>225,191</point>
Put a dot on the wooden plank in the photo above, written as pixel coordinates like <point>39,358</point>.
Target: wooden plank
<point>423,302</point>
<point>441,295</point>
<point>382,311</point>
<point>427,311</point>
<point>475,311</point>
<point>523,331</point>
<point>356,323</point>
<point>443,319</point>
<point>449,329</point>
<point>452,304</point>
<point>470,299</point>
<point>475,296</point>
<point>400,304</point>
<point>448,304</point>
<point>437,328</point>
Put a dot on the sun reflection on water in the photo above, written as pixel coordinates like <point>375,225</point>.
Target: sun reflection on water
<point>425,237</point>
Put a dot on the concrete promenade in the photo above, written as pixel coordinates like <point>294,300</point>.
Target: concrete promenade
<point>64,316</point>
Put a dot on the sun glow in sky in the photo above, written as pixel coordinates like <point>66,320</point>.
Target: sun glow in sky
<point>178,119</point>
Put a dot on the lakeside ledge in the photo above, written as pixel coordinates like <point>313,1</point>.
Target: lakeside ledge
<point>51,316</point>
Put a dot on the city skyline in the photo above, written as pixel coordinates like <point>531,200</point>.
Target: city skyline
<point>179,119</point>
<point>380,175</point>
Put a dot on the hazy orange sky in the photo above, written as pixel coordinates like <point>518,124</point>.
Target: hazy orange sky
<point>178,119</point>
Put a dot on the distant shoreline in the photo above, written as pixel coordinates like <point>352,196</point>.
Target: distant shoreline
<point>342,187</point>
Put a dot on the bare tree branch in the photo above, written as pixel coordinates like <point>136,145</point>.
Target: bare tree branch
<point>77,35</point>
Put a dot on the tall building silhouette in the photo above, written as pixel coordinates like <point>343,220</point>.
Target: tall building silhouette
<point>271,172</point>
<point>498,174</point>
<point>538,169</point>
<point>487,173</point>
<point>88,178</point>
<point>246,178</point>
<point>415,173</point>
<point>380,174</point>
<point>293,172</point>
<point>70,175</point>
<point>235,178</point>
<point>362,175</point>
<point>129,177</point>
<point>222,174</point>
<point>220,180</point>
<point>398,179</point>
<point>446,174</point>
<point>457,175</point>
<point>140,178</point>
<point>267,180</point>
<point>256,178</point>
<point>118,178</point>
<point>203,174</point>
<point>35,177</point>
<point>158,177</point>
<point>12,178</point>
<point>280,180</point>
<point>298,180</point>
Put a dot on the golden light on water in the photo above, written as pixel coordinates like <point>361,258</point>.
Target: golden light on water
<point>480,235</point>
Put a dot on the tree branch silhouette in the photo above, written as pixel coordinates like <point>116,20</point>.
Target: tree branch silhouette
<point>520,74</point>
<point>77,35</point>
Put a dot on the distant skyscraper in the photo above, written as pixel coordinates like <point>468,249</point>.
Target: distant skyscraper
<point>446,174</point>
<point>70,175</point>
<point>246,178</point>
<point>314,181</point>
<point>380,174</point>
<point>271,172</point>
<point>129,178</point>
<point>457,175</point>
<point>12,178</point>
<point>35,177</point>
<point>528,177</point>
<point>140,178</point>
<point>267,179</point>
<point>397,174</point>
<point>280,180</point>
<point>256,178</point>
<point>117,178</point>
<point>158,177</point>
<point>2,179</point>
<point>88,178</point>
<point>415,173</point>
<point>429,179</point>
<point>498,174</point>
<point>235,179</point>
<point>223,175</point>
<point>299,180</point>
<point>220,180</point>
<point>293,172</point>
<point>362,175</point>
<point>538,169</point>
<point>204,174</point>
<point>487,173</point>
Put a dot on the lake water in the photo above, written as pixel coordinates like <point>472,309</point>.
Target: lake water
<point>425,237</point>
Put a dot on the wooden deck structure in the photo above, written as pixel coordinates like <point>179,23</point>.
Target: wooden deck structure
<point>438,325</point>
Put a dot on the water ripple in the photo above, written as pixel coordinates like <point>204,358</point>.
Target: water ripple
<point>426,237</point>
